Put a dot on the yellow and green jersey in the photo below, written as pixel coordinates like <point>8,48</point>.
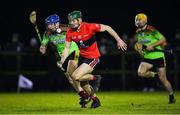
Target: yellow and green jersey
<point>147,37</point>
<point>59,41</point>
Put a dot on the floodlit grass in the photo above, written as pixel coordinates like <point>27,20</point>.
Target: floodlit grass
<point>67,103</point>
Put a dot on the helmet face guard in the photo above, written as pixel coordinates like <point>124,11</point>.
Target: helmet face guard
<point>72,16</point>
<point>54,18</point>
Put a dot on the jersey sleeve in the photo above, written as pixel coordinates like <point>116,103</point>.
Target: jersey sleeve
<point>45,40</point>
<point>95,27</point>
<point>68,37</point>
<point>158,35</point>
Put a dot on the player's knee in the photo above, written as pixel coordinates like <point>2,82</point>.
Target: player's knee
<point>75,77</point>
<point>83,83</point>
<point>141,74</point>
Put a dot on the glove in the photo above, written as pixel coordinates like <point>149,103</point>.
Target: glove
<point>42,49</point>
<point>60,65</point>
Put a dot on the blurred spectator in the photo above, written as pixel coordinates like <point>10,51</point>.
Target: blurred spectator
<point>33,46</point>
<point>15,44</point>
<point>14,60</point>
<point>106,45</point>
<point>32,61</point>
<point>125,38</point>
<point>176,41</point>
<point>129,40</point>
<point>131,43</point>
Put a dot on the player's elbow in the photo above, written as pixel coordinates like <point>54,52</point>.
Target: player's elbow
<point>106,28</point>
<point>164,43</point>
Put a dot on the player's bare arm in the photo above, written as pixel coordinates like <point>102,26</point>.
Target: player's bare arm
<point>66,51</point>
<point>120,43</point>
<point>159,42</point>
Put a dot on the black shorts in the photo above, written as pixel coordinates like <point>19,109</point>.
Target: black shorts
<point>72,56</point>
<point>157,63</point>
<point>90,62</point>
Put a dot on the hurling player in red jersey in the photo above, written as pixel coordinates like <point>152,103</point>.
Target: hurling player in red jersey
<point>83,34</point>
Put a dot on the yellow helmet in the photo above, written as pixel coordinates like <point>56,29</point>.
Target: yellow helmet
<point>141,16</point>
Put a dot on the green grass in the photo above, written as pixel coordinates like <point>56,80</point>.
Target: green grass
<point>67,103</point>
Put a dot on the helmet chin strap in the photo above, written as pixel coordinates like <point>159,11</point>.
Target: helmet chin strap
<point>75,28</point>
<point>143,27</point>
<point>56,31</point>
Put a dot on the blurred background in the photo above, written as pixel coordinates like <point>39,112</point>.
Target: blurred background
<point>19,45</point>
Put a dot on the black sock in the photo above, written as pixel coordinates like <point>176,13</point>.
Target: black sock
<point>171,96</point>
<point>83,94</point>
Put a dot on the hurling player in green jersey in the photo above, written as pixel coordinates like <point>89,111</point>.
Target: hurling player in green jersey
<point>152,39</point>
<point>55,35</point>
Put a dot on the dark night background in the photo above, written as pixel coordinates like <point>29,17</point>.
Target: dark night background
<point>163,14</point>
<point>14,17</point>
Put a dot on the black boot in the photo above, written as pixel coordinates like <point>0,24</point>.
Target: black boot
<point>172,99</point>
<point>96,103</point>
<point>84,99</point>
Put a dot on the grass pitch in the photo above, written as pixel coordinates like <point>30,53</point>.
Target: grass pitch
<point>67,103</point>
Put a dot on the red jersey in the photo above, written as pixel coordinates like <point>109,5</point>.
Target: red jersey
<point>85,40</point>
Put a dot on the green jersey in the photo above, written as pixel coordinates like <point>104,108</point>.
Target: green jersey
<point>59,41</point>
<point>147,37</point>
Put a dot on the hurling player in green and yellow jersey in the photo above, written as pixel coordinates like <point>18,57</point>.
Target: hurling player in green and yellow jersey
<point>152,39</point>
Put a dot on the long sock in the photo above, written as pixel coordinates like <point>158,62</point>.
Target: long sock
<point>83,94</point>
<point>171,97</point>
<point>171,93</point>
<point>94,98</point>
<point>94,78</point>
<point>87,88</point>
